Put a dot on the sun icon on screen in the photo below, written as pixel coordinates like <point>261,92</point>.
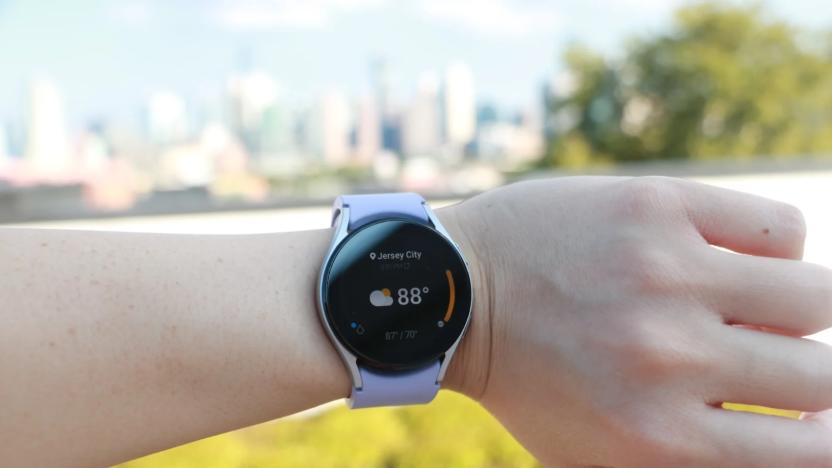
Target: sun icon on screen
<point>381,298</point>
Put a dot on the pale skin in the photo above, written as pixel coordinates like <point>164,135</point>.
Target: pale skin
<point>604,330</point>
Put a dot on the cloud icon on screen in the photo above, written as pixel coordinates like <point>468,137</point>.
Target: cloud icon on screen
<point>381,298</point>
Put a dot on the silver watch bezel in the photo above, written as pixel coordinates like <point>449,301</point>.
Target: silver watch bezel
<point>341,223</point>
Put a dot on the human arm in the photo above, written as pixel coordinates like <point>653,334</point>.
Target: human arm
<point>596,337</point>
<point>611,336</point>
<point>117,345</point>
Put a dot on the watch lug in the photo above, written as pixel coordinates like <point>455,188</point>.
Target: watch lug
<point>446,359</point>
<point>449,354</point>
<point>341,224</point>
<point>436,223</point>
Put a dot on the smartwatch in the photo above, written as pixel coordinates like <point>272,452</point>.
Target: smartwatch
<point>394,295</point>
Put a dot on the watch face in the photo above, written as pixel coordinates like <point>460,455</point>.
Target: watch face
<point>397,294</point>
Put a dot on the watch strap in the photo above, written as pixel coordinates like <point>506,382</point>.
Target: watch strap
<point>402,388</point>
<point>365,209</point>
<point>389,388</point>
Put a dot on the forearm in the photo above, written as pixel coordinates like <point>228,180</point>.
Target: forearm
<point>115,345</point>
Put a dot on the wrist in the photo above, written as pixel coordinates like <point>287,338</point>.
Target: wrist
<point>279,337</point>
<point>468,372</point>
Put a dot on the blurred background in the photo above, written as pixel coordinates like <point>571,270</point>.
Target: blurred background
<point>225,116</point>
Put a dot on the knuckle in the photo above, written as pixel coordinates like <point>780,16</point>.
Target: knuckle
<point>825,293</point>
<point>818,374</point>
<point>819,295</point>
<point>656,349</point>
<point>791,221</point>
<point>646,197</point>
<point>646,352</point>
<point>824,455</point>
<point>819,454</point>
<point>649,269</point>
<point>659,444</point>
<point>824,460</point>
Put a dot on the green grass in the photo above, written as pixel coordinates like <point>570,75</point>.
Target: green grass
<point>452,431</point>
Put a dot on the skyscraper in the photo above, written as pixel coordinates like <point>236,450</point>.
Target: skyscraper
<point>277,137</point>
<point>558,118</point>
<point>281,152</point>
<point>421,123</point>
<point>93,151</point>
<point>389,121</point>
<point>328,129</point>
<point>4,147</point>
<point>251,95</point>
<point>367,130</point>
<point>47,146</point>
<point>381,77</point>
<point>459,106</point>
<point>167,118</point>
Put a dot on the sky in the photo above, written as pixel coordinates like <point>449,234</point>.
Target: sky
<point>107,57</point>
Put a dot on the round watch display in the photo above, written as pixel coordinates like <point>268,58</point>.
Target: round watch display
<point>397,294</point>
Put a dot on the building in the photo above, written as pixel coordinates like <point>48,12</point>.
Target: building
<point>459,106</point>
<point>93,152</point>
<point>47,146</point>
<point>367,130</point>
<point>328,129</point>
<point>421,122</point>
<point>280,149</point>
<point>5,153</point>
<point>487,114</point>
<point>557,118</point>
<point>251,95</point>
<point>382,86</point>
<point>277,136</point>
<point>389,118</point>
<point>167,118</point>
<point>509,145</point>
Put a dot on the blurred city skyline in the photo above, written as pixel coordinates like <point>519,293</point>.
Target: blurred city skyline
<point>109,57</point>
<point>248,99</point>
<point>427,141</point>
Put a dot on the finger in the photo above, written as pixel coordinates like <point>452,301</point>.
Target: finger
<point>570,465</point>
<point>746,439</point>
<point>822,417</point>
<point>770,292</point>
<point>772,370</point>
<point>743,222</point>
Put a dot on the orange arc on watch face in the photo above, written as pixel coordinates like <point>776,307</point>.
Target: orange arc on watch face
<point>450,311</point>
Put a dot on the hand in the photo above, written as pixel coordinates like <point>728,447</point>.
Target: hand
<point>604,328</point>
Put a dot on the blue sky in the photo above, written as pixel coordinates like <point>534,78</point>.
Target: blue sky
<point>108,56</point>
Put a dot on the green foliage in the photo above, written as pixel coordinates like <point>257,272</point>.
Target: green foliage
<point>452,431</point>
<point>726,81</point>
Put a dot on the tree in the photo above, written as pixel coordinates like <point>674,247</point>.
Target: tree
<point>724,82</point>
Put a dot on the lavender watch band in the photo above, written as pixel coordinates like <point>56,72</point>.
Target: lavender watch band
<point>368,208</point>
<point>406,388</point>
<point>401,388</point>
